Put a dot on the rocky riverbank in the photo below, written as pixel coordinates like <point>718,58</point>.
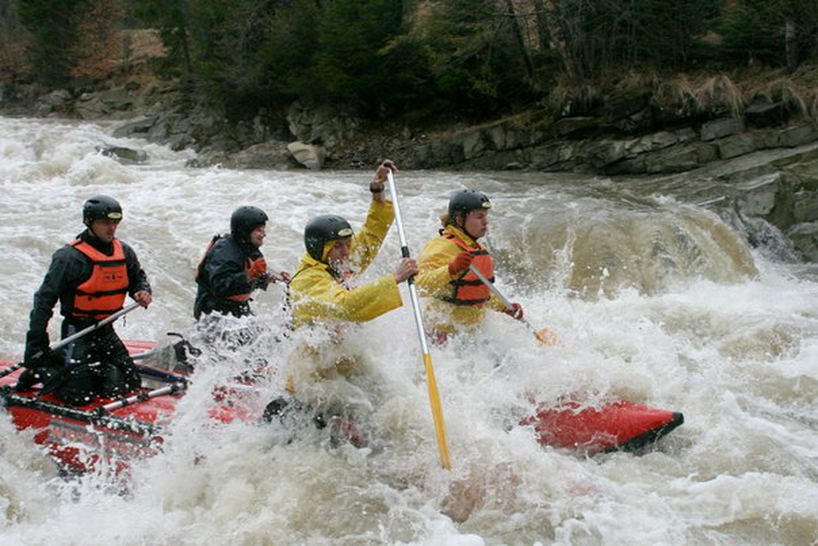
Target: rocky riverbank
<point>764,156</point>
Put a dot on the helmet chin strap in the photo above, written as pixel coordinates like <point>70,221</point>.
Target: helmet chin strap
<point>463,227</point>
<point>94,234</point>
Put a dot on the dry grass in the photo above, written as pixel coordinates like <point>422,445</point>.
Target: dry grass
<point>633,80</point>
<point>676,94</point>
<point>699,93</point>
<point>718,95</point>
<point>572,100</point>
<point>785,91</point>
<point>141,45</point>
<point>137,49</point>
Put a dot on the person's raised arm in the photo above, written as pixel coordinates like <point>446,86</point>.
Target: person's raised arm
<point>377,186</point>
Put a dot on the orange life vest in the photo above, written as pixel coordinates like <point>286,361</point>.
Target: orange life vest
<point>104,292</point>
<point>469,289</point>
<point>247,263</point>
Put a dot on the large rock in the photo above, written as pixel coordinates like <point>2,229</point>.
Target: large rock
<point>555,156</point>
<point>126,156</point>
<point>805,206</point>
<point>674,159</point>
<point>111,104</point>
<point>766,114</point>
<point>624,106</point>
<point>308,155</point>
<point>758,197</point>
<point>798,135</point>
<point>604,152</point>
<point>720,128</point>
<point>320,125</point>
<point>267,155</point>
<point>805,239</point>
<point>736,145</point>
<point>578,127</point>
<point>139,127</point>
<point>475,144</point>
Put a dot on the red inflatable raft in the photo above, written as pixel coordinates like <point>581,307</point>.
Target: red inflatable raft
<point>110,432</point>
<point>618,425</point>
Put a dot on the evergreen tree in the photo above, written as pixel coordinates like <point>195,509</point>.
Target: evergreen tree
<point>349,66</point>
<point>474,55</point>
<point>172,18</point>
<point>285,57</point>
<point>775,32</point>
<point>53,36</point>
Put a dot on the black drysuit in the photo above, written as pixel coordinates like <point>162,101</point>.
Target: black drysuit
<point>95,364</point>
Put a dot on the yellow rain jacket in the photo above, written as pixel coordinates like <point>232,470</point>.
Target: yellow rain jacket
<point>319,296</point>
<point>433,282</point>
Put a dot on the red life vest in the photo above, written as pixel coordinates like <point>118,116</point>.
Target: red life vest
<point>247,263</point>
<point>469,289</point>
<point>104,292</point>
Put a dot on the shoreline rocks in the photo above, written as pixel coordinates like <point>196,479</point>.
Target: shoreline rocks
<point>768,161</point>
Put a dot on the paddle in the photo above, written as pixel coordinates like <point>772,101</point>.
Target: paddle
<point>161,375</point>
<point>544,336</point>
<point>176,388</point>
<point>100,416</point>
<point>434,396</point>
<point>73,337</point>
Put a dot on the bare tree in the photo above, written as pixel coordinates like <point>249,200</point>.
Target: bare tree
<point>518,34</point>
<point>98,48</point>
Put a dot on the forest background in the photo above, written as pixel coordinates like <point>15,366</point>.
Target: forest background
<point>423,61</point>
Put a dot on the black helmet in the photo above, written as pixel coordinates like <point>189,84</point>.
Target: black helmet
<point>101,207</point>
<point>244,220</point>
<point>322,229</point>
<point>465,201</point>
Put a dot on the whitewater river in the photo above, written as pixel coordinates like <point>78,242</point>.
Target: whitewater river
<point>654,300</point>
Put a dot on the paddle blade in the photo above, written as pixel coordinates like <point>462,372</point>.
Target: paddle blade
<point>546,336</point>
<point>437,414</point>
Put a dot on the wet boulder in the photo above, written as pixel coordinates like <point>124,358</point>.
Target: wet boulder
<point>766,114</point>
<point>309,155</point>
<point>126,156</point>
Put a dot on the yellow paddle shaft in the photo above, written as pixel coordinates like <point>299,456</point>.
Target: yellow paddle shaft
<point>437,414</point>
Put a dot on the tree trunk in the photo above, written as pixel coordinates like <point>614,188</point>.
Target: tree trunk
<point>791,44</point>
<point>515,24</point>
<point>542,25</point>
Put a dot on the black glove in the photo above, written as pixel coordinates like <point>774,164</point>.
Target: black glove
<point>36,357</point>
<point>261,281</point>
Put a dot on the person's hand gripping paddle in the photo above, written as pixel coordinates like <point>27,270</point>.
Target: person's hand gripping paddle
<point>69,339</point>
<point>544,336</point>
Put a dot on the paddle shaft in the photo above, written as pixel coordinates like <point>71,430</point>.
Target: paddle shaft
<point>500,296</point>
<point>142,397</point>
<point>95,326</point>
<point>157,373</point>
<point>100,418</point>
<point>434,395</point>
<point>63,342</point>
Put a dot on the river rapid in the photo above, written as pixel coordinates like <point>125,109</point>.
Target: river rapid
<point>653,299</point>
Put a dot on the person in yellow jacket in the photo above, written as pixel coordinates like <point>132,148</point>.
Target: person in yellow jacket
<point>322,288</point>
<point>457,297</point>
<point>323,292</point>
